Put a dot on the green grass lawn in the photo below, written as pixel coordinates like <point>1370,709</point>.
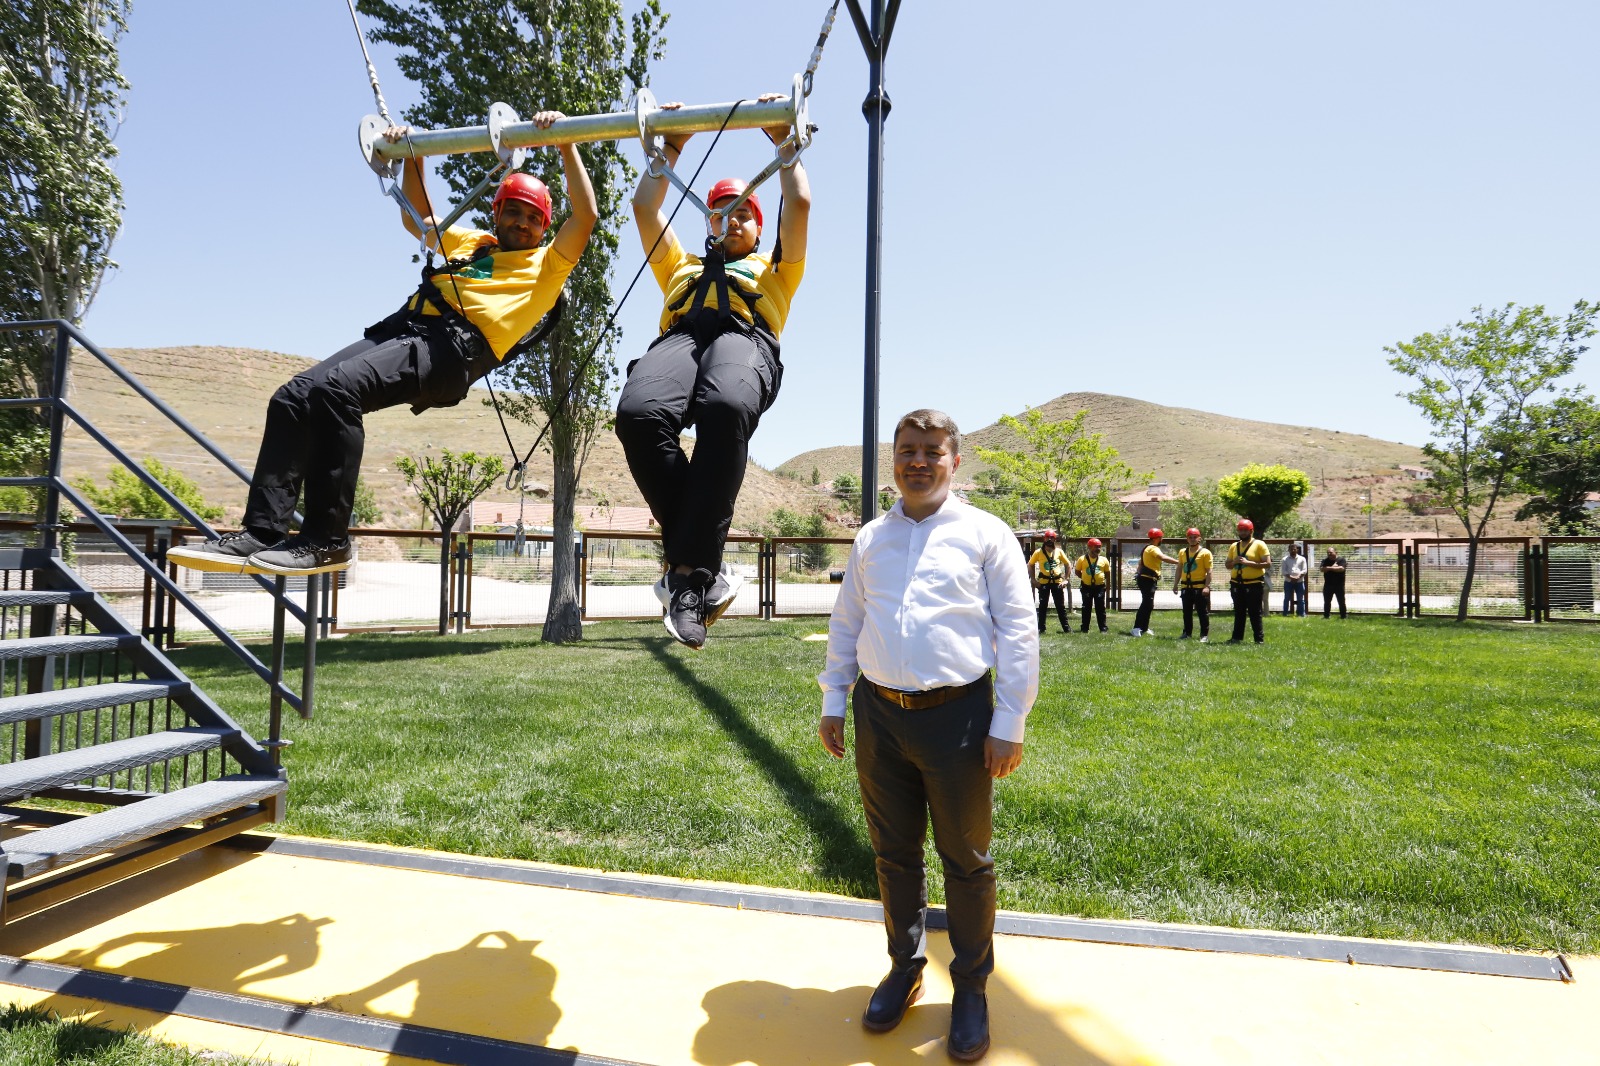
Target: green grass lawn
<point>36,1037</point>
<point>1376,777</point>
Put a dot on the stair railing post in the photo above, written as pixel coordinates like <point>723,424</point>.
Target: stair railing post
<point>308,669</point>
<point>275,725</point>
<point>58,396</point>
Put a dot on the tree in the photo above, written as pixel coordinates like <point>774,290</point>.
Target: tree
<point>786,523</point>
<point>447,488</point>
<point>1263,493</point>
<point>1559,464</point>
<point>847,488</point>
<point>61,95</point>
<point>1065,474</point>
<point>365,511</point>
<point>1202,509</point>
<point>996,493</point>
<point>1475,384</point>
<point>578,56</point>
<point>128,497</point>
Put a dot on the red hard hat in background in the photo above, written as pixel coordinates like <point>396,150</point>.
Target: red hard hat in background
<point>528,189</point>
<point>1193,532</point>
<point>728,188</point>
<point>1094,542</point>
<point>1049,534</point>
<point>1155,533</point>
<point>1246,526</point>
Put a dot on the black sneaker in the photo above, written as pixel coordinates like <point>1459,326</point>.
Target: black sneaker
<point>228,554</point>
<point>686,615</point>
<point>724,587</point>
<point>304,555</point>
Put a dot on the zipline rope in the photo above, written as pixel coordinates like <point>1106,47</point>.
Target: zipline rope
<point>372,72</point>
<point>816,53</point>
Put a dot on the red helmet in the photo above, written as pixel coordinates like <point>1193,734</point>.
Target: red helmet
<point>1193,532</point>
<point>1049,534</point>
<point>727,189</point>
<point>1155,533</point>
<point>1246,526</point>
<point>528,189</point>
<point>1094,542</point>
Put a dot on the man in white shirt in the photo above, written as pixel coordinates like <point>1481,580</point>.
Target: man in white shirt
<point>1295,570</point>
<point>935,596</point>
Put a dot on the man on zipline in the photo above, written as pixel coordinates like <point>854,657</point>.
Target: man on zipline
<point>458,326</point>
<point>715,367</point>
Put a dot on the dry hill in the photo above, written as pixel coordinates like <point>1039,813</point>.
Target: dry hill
<point>224,393</point>
<point>1175,444</point>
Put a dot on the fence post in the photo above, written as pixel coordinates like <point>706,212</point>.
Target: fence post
<point>1535,581</point>
<point>581,558</point>
<point>460,612</point>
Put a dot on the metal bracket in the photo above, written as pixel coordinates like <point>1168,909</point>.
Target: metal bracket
<point>501,116</point>
<point>644,105</point>
<point>369,132</point>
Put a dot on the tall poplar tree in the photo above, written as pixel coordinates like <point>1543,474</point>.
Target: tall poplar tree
<point>61,99</point>
<point>581,57</point>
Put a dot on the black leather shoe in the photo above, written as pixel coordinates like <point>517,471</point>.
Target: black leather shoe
<point>893,996</point>
<point>969,1026</point>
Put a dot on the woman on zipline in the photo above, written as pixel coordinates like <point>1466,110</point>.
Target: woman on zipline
<point>715,367</point>
<point>468,314</point>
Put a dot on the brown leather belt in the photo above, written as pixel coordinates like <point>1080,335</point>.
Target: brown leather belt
<point>921,701</point>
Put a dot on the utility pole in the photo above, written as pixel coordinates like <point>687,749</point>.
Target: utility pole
<point>875,41</point>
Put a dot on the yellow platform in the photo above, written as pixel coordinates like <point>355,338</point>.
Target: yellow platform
<point>647,980</point>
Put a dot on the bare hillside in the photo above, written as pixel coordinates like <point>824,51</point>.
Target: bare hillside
<point>224,392</point>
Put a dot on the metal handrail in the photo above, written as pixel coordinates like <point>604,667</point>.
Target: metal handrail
<point>57,487</point>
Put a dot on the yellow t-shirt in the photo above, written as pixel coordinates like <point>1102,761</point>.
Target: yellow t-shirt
<point>1095,573</point>
<point>504,294</point>
<point>1255,552</point>
<point>1194,572</point>
<point>772,287</point>
<point>1052,568</point>
<point>1150,557</point>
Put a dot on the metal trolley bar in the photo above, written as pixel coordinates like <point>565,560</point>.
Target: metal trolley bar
<point>615,126</point>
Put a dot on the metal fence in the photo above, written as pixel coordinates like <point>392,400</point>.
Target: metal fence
<point>497,579</point>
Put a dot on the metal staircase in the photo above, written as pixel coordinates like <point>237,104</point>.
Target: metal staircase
<point>93,714</point>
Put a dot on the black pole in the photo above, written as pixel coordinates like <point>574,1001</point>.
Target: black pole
<point>58,397</point>
<point>875,41</point>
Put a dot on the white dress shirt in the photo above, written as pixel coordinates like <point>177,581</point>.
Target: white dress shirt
<point>936,603</point>
<point>1294,567</point>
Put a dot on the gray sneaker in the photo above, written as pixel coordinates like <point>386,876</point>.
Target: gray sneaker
<point>724,587</point>
<point>228,554</point>
<point>686,615</point>
<point>303,555</point>
<point>663,593</point>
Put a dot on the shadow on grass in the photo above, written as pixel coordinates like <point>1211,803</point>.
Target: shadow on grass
<point>845,857</point>
<point>392,648</point>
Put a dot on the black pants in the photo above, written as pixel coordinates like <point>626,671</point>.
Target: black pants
<point>914,766</point>
<point>1147,602</point>
<point>1196,602</point>
<point>719,378</point>
<point>1247,600</point>
<point>1329,591</point>
<point>1059,594</point>
<point>314,435</point>
<point>1093,596</point>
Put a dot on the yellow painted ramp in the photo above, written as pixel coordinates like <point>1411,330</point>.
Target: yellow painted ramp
<point>667,983</point>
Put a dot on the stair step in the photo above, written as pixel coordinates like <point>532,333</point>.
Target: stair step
<point>31,705</point>
<point>27,776</point>
<point>41,598</point>
<point>34,647</point>
<point>45,849</point>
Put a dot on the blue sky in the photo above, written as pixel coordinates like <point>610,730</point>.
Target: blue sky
<point>1157,200</point>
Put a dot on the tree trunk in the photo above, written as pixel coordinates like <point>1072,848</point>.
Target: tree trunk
<point>563,620</point>
<point>1466,586</point>
<point>444,580</point>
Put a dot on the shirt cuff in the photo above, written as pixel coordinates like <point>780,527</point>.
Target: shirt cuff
<point>834,702</point>
<point>1007,725</point>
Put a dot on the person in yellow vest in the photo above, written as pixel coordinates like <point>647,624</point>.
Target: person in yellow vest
<point>1094,577</point>
<point>715,366</point>
<point>1147,578</point>
<point>468,317</point>
<point>1249,560</point>
<point>1048,567</point>
<point>1193,585</point>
